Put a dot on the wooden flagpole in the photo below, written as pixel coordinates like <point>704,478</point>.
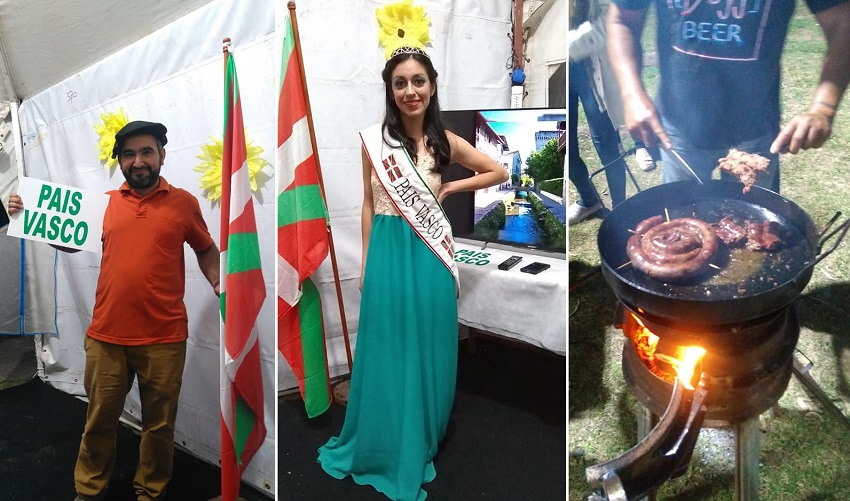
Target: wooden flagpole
<point>297,48</point>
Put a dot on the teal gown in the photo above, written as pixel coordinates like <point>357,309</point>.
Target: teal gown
<point>405,367</point>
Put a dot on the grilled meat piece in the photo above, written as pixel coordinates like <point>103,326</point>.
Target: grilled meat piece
<point>763,236</point>
<point>731,234</point>
<point>745,166</point>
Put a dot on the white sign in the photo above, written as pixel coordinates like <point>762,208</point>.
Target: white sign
<point>59,215</point>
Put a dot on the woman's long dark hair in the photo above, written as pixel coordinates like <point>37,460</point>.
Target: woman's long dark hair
<point>433,126</point>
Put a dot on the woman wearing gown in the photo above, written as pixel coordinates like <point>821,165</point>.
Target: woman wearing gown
<point>403,378</point>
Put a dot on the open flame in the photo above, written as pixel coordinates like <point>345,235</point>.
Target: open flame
<point>686,367</point>
<point>646,344</point>
<point>685,363</point>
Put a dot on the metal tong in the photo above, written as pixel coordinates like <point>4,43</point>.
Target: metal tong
<point>686,164</point>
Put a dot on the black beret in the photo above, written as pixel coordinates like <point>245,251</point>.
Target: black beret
<point>137,128</point>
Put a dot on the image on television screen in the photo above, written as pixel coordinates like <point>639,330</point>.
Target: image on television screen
<point>529,209</point>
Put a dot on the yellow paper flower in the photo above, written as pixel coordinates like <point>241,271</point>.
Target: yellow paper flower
<point>112,123</point>
<point>210,166</point>
<point>402,25</point>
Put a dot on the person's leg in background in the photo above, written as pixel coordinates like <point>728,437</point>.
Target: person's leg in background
<point>588,200</point>
<point>645,156</point>
<point>605,137</point>
<point>703,162</point>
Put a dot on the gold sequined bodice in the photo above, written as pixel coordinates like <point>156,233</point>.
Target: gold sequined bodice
<point>381,202</point>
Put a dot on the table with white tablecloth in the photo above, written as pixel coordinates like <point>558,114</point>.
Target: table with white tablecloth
<point>510,303</point>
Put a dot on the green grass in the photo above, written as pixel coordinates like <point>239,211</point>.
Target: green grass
<point>806,452</point>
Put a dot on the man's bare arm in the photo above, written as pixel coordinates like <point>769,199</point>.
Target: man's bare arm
<point>812,128</point>
<point>209,261</point>
<point>624,31</point>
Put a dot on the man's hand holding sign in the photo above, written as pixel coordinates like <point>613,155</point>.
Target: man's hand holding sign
<point>63,216</point>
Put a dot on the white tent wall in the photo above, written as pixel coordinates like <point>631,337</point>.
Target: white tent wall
<point>469,48</point>
<point>71,36</point>
<point>10,248</point>
<point>10,272</point>
<point>547,46</point>
<point>173,76</point>
<point>23,311</point>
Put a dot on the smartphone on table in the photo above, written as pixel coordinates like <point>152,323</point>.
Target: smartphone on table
<point>534,268</point>
<point>509,263</point>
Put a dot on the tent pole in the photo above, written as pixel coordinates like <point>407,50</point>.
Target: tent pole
<point>297,48</point>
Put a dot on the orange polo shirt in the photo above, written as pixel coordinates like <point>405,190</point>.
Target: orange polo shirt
<point>139,297</point>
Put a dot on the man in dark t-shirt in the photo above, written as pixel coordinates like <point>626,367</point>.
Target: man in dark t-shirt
<point>719,63</point>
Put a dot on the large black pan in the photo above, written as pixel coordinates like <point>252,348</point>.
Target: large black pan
<point>748,285</point>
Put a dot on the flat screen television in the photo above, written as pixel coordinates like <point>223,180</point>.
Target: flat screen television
<point>528,210</point>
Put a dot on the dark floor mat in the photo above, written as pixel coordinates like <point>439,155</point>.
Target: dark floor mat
<point>506,439</point>
<point>40,429</point>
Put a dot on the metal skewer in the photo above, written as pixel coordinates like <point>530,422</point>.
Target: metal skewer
<point>687,166</point>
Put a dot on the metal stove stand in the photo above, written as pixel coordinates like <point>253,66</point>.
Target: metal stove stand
<point>748,433</point>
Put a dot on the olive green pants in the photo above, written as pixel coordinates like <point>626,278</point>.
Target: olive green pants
<point>110,370</point>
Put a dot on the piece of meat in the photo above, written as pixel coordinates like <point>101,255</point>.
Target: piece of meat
<point>673,251</point>
<point>763,236</point>
<point>745,166</point>
<point>728,231</point>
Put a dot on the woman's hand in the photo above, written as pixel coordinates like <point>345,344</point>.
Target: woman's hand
<point>445,190</point>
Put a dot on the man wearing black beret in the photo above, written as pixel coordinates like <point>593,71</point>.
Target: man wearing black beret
<point>139,324</point>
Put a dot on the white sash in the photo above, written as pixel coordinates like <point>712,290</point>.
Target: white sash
<point>411,196</point>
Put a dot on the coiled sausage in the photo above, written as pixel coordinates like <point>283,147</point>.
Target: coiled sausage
<point>673,251</point>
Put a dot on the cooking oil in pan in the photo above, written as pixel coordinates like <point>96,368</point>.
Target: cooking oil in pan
<point>742,264</point>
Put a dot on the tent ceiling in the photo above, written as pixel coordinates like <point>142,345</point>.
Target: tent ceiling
<point>46,41</point>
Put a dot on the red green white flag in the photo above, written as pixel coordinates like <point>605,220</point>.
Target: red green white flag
<point>242,294</point>
<point>302,236</point>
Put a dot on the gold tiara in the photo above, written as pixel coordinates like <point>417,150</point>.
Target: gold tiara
<point>403,28</point>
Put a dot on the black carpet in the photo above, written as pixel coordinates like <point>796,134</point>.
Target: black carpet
<point>40,429</point>
<point>506,438</point>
